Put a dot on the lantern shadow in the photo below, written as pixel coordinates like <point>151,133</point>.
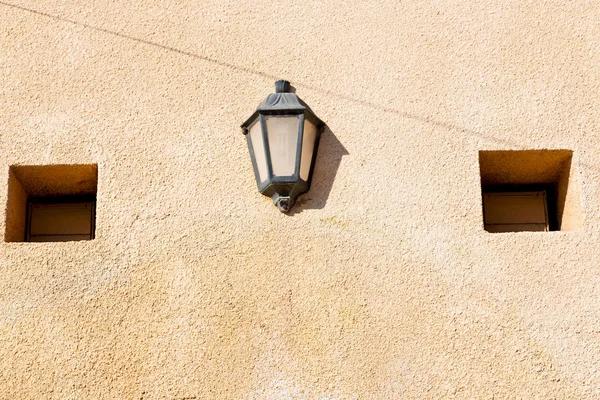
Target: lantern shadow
<point>329,158</point>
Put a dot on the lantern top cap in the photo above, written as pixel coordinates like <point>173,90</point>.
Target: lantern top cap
<point>283,101</point>
<point>282,86</point>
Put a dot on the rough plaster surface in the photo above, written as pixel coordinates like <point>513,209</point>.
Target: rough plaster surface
<point>381,284</point>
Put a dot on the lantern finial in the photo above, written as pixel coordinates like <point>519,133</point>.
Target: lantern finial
<point>282,86</point>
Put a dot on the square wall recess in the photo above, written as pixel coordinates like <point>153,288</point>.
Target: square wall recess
<point>51,203</point>
<point>529,190</point>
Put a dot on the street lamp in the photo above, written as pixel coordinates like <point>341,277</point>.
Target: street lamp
<point>283,136</point>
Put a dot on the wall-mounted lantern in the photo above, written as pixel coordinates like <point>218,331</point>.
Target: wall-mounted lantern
<point>283,136</point>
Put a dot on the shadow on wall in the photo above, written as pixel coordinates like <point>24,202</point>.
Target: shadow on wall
<point>329,158</point>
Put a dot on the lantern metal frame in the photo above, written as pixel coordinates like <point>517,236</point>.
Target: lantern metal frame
<point>284,190</point>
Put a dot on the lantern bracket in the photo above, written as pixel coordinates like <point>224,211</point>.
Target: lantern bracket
<point>283,203</point>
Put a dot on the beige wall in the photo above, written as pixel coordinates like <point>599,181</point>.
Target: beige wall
<point>382,283</point>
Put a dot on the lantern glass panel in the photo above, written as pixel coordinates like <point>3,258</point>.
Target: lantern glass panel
<point>308,146</point>
<point>258,146</point>
<point>282,134</point>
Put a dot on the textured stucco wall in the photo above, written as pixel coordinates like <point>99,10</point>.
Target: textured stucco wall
<point>382,283</point>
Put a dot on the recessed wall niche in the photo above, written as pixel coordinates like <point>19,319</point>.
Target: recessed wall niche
<point>51,203</point>
<point>529,190</point>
